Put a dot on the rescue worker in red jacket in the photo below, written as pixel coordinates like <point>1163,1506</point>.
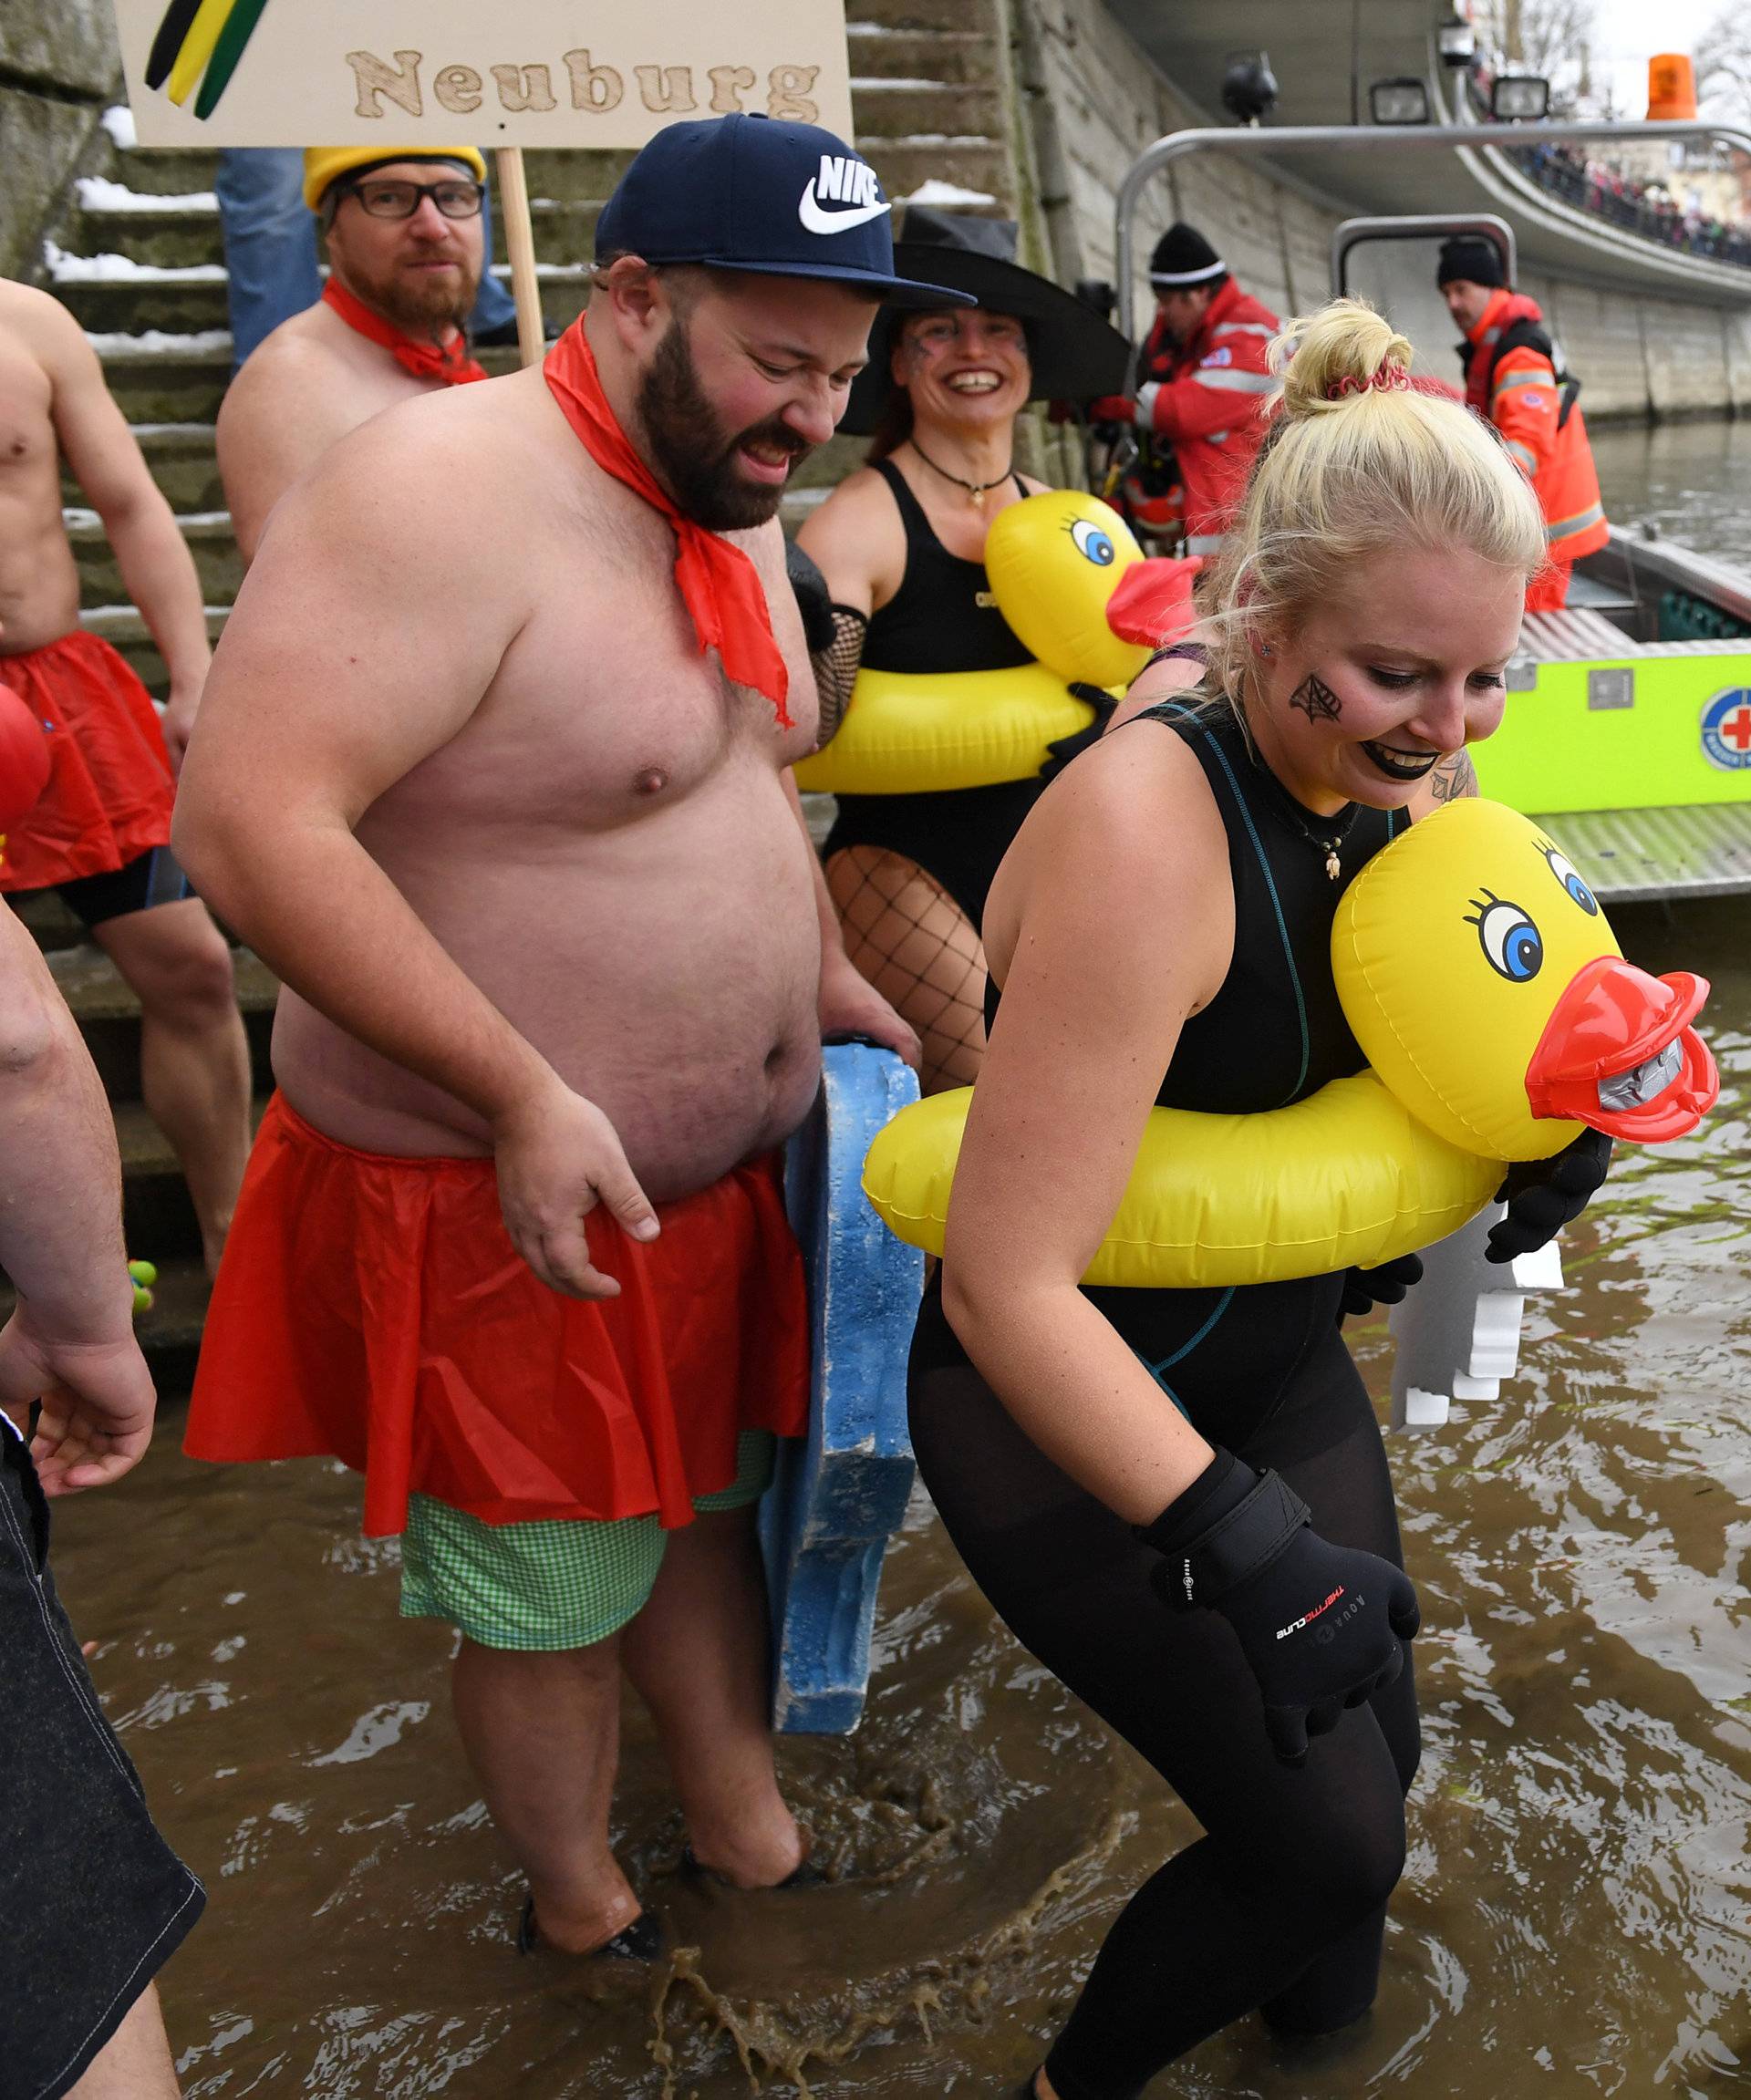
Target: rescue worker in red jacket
<point>1204,379</point>
<point>1514,378</point>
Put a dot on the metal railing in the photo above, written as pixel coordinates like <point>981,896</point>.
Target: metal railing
<point>1346,137</point>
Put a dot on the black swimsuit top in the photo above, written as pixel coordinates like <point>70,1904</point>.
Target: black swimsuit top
<point>1274,1033</point>
<point>942,617</point>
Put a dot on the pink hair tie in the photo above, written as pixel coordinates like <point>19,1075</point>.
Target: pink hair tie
<point>1392,377</point>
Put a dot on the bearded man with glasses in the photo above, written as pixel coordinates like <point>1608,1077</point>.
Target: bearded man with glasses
<point>405,231</point>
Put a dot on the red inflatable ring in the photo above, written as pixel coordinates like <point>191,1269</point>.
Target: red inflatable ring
<point>23,760</point>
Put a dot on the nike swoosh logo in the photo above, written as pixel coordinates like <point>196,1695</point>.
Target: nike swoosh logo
<point>822,222</point>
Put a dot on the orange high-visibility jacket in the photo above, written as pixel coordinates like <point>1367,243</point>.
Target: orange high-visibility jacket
<point>1517,388</point>
<point>1207,397</point>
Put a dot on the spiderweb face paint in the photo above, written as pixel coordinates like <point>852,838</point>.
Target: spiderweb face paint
<point>1316,700</point>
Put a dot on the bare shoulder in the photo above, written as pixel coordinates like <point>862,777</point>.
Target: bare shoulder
<point>857,538</point>
<point>1130,825</point>
<point>459,448</point>
<point>38,321</point>
<point>1136,807</point>
<point>431,504</point>
<point>34,313</point>
<point>289,374</point>
<point>861,499</point>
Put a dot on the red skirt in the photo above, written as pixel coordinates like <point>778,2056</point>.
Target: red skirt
<point>109,784</point>
<point>373,1309</point>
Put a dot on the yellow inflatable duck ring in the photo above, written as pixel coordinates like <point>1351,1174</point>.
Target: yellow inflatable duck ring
<point>1497,1015</point>
<point>1055,562</point>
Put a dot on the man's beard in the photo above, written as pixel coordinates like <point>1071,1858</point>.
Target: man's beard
<point>419,302</point>
<point>690,451</point>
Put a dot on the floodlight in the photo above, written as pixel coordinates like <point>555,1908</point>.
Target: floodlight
<point>1404,101</point>
<point>1456,41</point>
<point>1519,98</point>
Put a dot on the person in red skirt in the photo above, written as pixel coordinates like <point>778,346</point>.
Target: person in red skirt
<point>99,830</point>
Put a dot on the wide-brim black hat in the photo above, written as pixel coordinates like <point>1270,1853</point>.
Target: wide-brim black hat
<point>1074,352</point>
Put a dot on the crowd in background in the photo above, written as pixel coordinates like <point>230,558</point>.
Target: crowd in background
<point>1648,209</point>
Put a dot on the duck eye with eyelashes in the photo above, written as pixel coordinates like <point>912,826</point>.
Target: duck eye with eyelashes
<point>1565,872</point>
<point>1512,945</point>
<point>1093,544</point>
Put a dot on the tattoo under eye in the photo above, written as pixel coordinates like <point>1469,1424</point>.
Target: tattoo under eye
<point>1316,700</point>
<point>1454,778</point>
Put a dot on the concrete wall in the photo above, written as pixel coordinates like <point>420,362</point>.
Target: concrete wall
<point>58,68</point>
<point>1096,100</point>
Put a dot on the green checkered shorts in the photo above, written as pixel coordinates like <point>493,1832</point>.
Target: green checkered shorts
<point>553,1584</point>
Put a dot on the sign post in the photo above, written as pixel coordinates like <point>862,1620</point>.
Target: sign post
<point>519,241</point>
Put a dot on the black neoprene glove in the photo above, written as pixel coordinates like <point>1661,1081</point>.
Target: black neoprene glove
<point>1322,1627</point>
<point>1544,1195</point>
<point>813,599</point>
<point>1066,748</point>
<point>1364,1289</point>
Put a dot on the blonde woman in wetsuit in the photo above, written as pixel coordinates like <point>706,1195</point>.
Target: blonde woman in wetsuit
<point>901,546</point>
<point>1160,1489</point>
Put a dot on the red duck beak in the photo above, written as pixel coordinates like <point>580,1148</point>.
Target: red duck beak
<point>1152,602</point>
<point>1618,1053</point>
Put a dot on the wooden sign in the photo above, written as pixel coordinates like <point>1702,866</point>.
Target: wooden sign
<point>532,73</point>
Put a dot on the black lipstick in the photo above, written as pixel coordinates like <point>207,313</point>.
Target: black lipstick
<point>1399,765</point>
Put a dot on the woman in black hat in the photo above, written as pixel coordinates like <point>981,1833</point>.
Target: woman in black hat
<point>901,544</point>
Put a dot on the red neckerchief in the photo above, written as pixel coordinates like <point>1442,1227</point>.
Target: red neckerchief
<point>719,584</point>
<point>452,363</point>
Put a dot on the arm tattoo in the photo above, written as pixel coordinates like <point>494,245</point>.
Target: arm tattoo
<point>1456,776</point>
<point>1316,700</point>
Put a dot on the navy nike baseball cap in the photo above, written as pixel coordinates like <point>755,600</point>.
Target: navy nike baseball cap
<point>755,193</point>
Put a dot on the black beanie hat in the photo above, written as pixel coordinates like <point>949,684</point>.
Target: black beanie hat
<point>1184,258</point>
<point>1472,257</point>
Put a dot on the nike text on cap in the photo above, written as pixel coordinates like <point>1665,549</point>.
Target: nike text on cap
<point>748,192</point>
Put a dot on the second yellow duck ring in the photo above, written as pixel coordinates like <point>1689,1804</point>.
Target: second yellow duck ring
<point>1053,561</point>
<point>1498,1016</point>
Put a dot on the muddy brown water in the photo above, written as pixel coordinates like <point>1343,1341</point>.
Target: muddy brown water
<point>1573,1919</point>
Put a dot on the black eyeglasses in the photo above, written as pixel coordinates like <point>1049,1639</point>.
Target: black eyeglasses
<point>394,199</point>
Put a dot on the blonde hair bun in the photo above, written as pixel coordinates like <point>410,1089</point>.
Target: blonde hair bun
<point>1340,355</point>
<point>1357,459</point>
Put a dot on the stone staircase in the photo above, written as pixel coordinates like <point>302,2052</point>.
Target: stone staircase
<point>135,254</point>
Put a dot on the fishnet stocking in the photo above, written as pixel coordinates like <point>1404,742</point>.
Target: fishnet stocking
<point>835,668</point>
<point>913,943</point>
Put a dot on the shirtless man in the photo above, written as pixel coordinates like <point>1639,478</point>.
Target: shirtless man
<point>527,857</point>
<point>100,832</point>
<point>95,1901</point>
<point>405,231</point>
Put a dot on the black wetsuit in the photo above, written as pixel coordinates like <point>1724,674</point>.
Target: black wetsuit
<point>942,619</point>
<point>1281,1905</point>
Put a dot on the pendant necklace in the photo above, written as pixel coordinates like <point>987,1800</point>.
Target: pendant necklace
<point>1328,844</point>
<point>977,491</point>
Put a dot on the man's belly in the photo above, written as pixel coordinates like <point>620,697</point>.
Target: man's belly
<point>682,1003</point>
<point>39,586</point>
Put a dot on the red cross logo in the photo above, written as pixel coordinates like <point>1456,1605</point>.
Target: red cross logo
<point>1735,728</point>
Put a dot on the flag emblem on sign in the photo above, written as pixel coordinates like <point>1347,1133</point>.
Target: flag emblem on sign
<point>198,45</point>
